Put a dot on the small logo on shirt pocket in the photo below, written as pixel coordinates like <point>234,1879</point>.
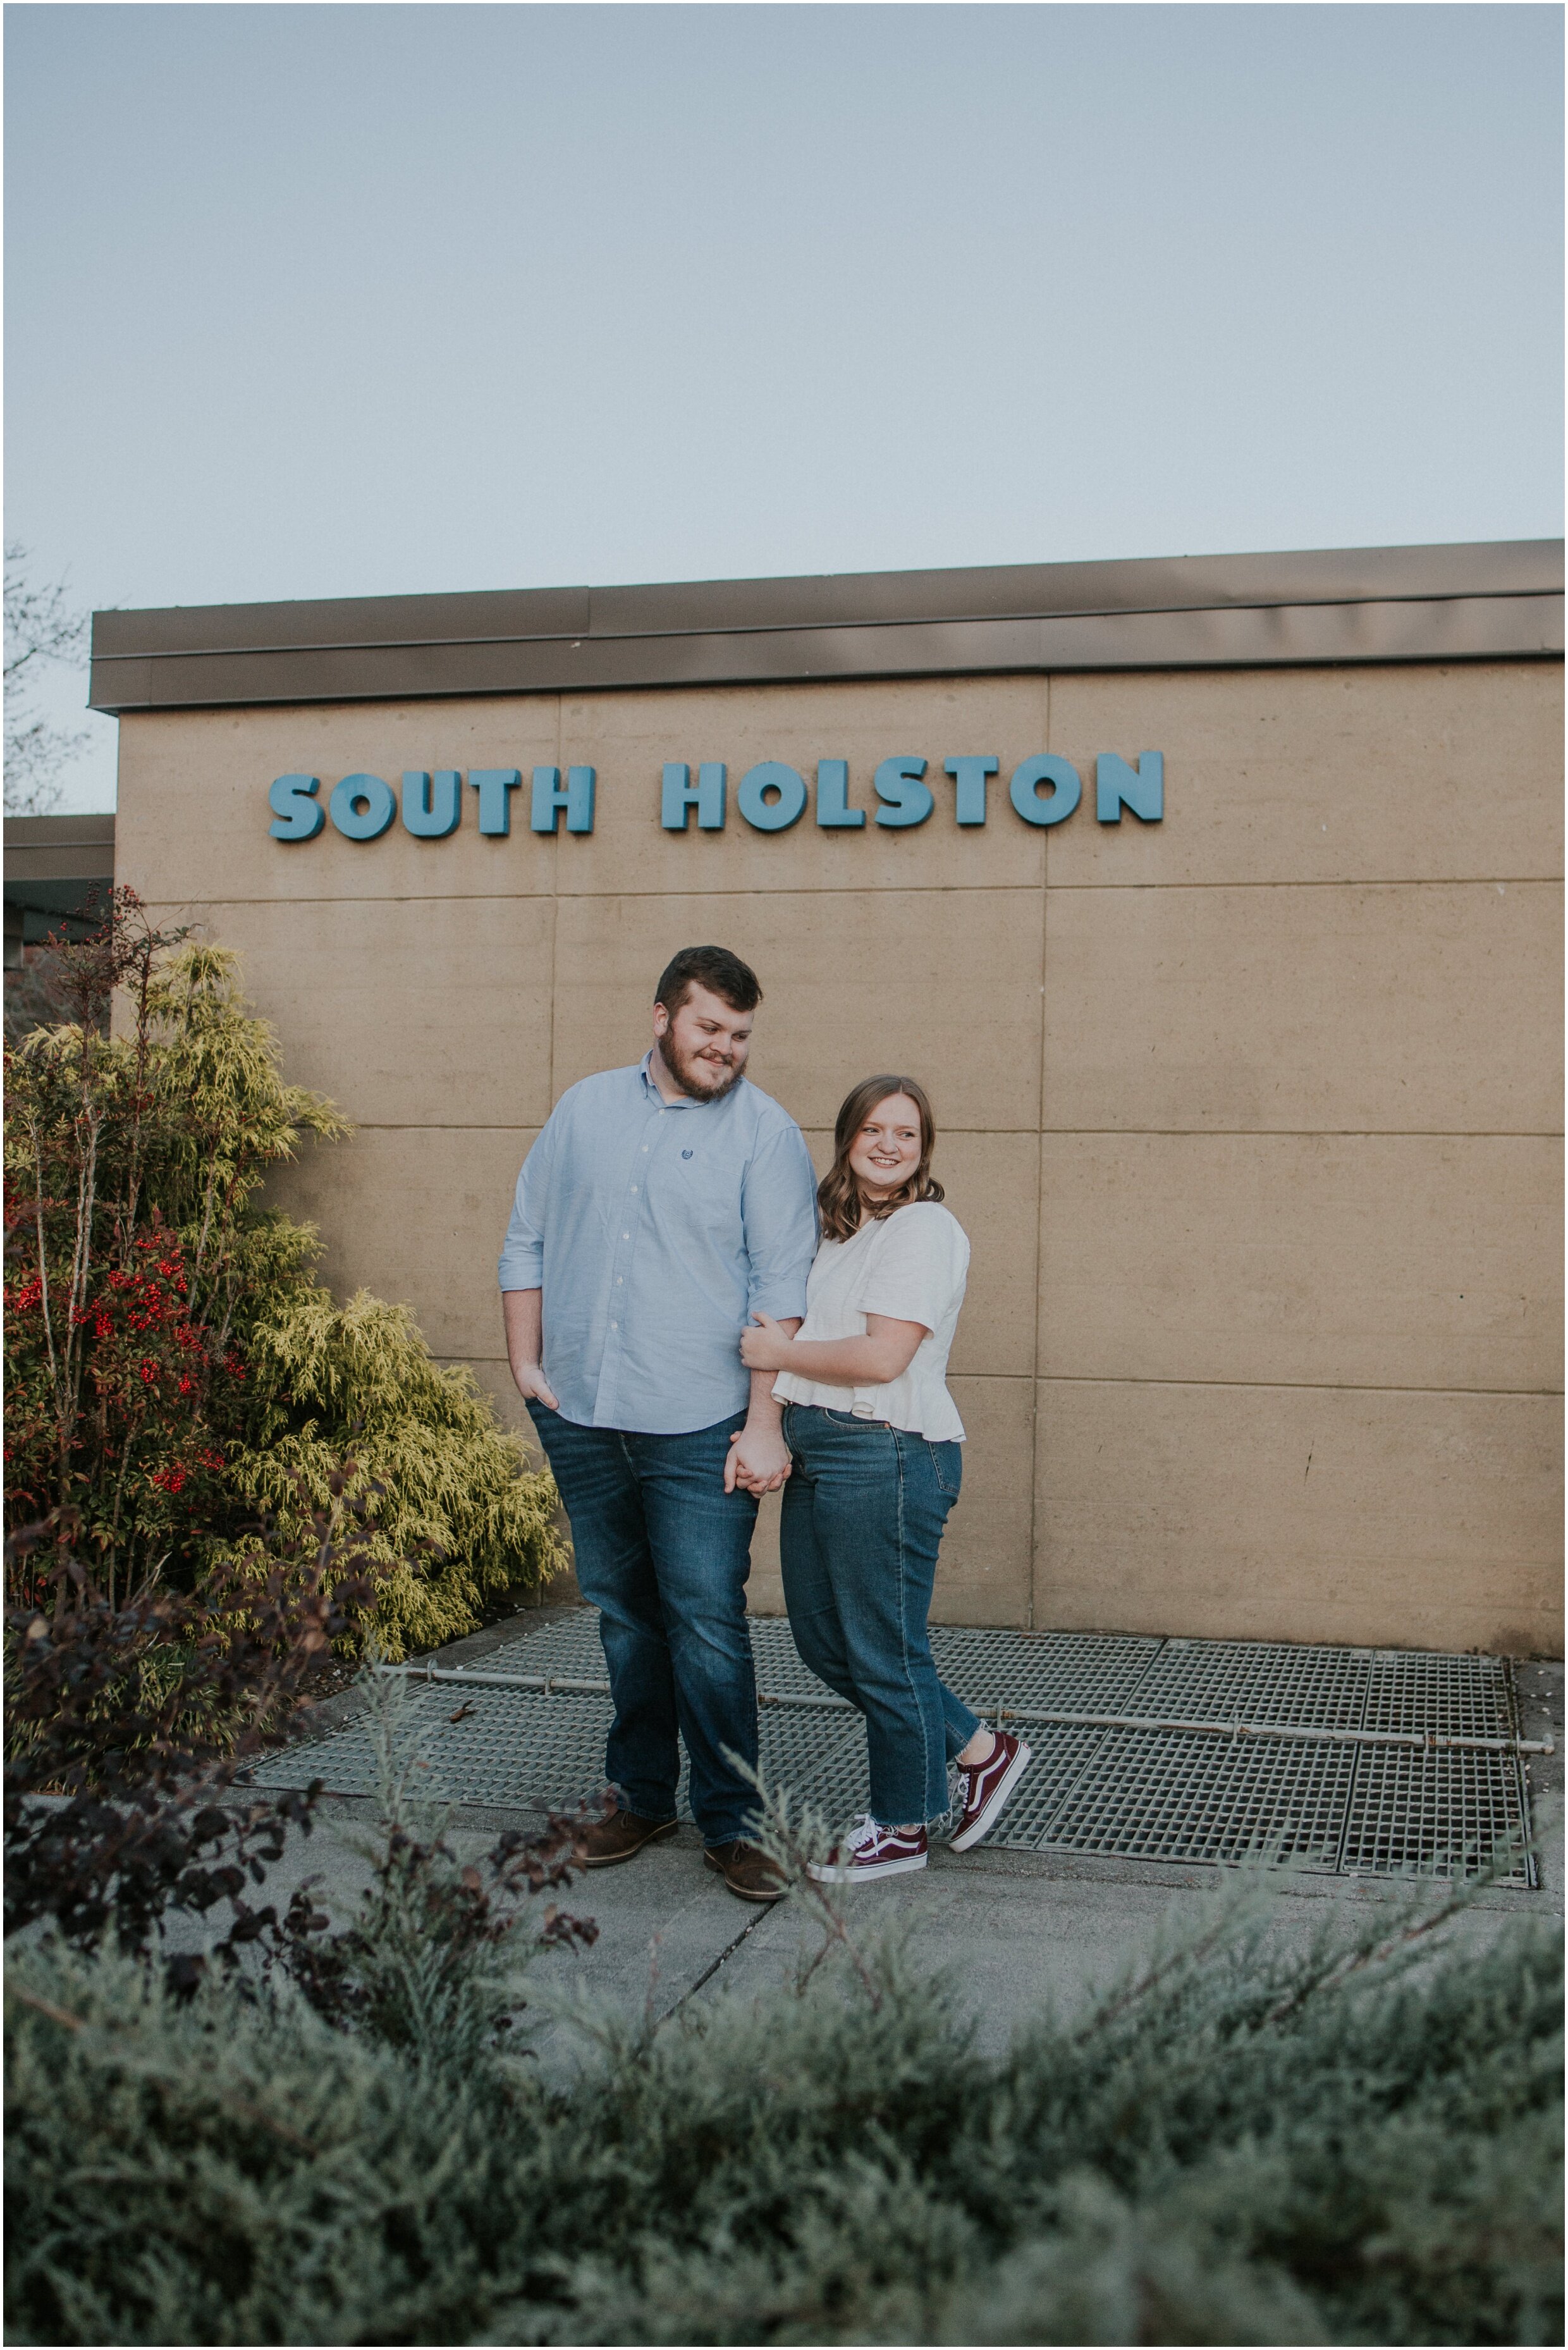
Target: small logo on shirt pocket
<point>686,1154</point>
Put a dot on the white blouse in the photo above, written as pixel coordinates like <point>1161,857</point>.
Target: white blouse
<point>911,1266</point>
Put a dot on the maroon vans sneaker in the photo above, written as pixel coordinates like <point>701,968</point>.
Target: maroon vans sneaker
<point>870,1851</point>
<point>986,1788</point>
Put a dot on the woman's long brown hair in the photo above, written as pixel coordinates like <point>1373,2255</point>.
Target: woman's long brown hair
<point>838,1193</point>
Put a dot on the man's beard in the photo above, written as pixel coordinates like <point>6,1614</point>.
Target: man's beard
<point>682,1065</point>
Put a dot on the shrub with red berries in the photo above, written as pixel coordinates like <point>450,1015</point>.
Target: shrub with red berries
<point>147,1450</point>
<point>176,1372</point>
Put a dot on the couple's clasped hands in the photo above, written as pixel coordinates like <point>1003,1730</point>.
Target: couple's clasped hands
<point>759,1460</point>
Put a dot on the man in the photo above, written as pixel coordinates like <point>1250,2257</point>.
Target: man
<point>662,1206</point>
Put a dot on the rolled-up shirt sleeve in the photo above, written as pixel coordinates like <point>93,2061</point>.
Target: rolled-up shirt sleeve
<point>920,1268</point>
<point>779,1209</point>
<point>523,1250</point>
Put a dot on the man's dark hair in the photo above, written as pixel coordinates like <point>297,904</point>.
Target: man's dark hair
<point>716,969</point>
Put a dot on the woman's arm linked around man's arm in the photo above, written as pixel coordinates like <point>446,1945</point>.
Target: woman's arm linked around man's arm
<point>883,1354</point>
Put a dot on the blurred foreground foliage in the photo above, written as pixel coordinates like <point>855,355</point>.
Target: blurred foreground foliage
<point>1243,2141</point>
<point>130,1726</point>
<point>176,1372</point>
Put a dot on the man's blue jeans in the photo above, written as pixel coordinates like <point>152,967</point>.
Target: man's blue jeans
<point>663,1552</point>
<point>862,1517</point>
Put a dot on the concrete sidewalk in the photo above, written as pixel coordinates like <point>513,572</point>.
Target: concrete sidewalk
<point>1017,1930</point>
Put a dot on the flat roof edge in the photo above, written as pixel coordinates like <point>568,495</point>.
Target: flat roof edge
<point>1370,603</point>
<point>94,830</point>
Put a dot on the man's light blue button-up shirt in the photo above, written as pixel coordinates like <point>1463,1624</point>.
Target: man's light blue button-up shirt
<point>656,1230</point>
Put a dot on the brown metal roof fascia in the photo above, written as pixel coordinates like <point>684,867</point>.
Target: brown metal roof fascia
<point>59,848</point>
<point>1046,590</point>
<point>1458,629</point>
<point>1437,604</point>
<point>506,613</point>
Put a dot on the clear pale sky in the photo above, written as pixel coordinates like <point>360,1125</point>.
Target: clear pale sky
<point>360,301</point>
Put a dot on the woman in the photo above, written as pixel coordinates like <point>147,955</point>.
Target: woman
<point>874,1438</point>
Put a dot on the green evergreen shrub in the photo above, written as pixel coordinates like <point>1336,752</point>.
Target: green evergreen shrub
<point>174,1366</point>
<point>1244,2143</point>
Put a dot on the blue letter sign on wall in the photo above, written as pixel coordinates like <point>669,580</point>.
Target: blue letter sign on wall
<point>679,796</point>
<point>297,817</point>
<point>833,809</point>
<point>1141,788</point>
<point>766,814</point>
<point>969,787</point>
<point>773,795</point>
<point>431,806</point>
<point>362,806</point>
<point>905,799</point>
<point>549,799</point>
<point>495,786</point>
<point>1025,789</point>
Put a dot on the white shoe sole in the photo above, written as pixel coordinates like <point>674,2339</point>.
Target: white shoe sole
<point>993,1809</point>
<point>847,1873</point>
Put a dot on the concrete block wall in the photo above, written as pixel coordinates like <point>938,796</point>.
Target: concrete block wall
<point>1253,1116</point>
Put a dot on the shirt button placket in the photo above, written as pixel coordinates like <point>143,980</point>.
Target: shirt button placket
<point>613,1338</point>
<point>612,1335</point>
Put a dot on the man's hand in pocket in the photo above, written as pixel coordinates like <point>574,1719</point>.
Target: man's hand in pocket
<point>533,1385</point>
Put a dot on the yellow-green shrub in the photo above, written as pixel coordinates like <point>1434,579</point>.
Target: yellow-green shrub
<point>360,1379</point>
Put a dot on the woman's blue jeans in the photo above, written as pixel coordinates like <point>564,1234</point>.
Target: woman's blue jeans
<point>863,1517</point>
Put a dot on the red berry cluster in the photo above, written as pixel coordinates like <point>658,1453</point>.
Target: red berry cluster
<point>150,1367</point>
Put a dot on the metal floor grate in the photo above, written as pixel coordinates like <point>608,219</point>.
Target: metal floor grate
<point>1420,1813</point>
<point>1323,1795</point>
<point>1083,1672</point>
<point>1155,1794</point>
<point>1238,1680</point>
<point>1471,1695</point>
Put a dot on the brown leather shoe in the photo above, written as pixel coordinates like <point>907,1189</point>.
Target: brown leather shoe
<point>620,1836</point>
<point>746,1871</point>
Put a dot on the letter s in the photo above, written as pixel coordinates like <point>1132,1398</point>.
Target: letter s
<point>905,799</point>
<point>299,815</point>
